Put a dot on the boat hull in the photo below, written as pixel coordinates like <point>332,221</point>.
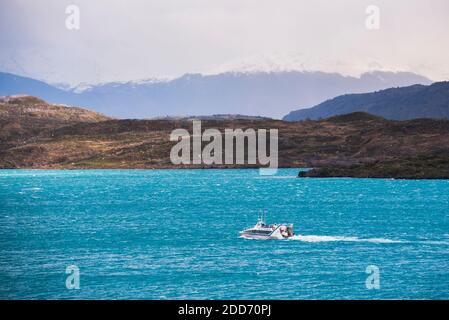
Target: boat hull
<point>262,231</point>
<point>260,237</point>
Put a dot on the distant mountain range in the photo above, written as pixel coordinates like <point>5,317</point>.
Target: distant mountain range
<point>269,94</point>
<point>221,117</point>
<point>416,101</point>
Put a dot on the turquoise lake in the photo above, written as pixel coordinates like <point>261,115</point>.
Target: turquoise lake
<point>173,234</point>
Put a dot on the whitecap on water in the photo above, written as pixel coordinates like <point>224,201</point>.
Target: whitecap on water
<point>32,189</point>
<point>276,177</point>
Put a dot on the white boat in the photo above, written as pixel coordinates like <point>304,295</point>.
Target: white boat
<point>265,231</point>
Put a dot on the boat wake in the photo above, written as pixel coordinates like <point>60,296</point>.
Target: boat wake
<point>314,238</point>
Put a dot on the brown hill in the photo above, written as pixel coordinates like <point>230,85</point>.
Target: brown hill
<point>22,117</point>
<point>423,167</point>
<point>38,135</point>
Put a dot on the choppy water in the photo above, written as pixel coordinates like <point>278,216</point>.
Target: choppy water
<point>173,234</point>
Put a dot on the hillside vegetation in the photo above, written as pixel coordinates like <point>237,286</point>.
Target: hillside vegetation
<point>22,117</point>
<point>435,167</point>
<point>35,134</point>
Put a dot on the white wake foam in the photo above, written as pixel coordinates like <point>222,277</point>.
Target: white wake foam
<point>314,238</point>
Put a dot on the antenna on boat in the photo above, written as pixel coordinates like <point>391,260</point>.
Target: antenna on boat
<point>260,217</point>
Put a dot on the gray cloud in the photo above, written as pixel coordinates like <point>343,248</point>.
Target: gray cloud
<point>134,39</point>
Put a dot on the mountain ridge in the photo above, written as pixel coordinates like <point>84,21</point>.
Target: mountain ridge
<point>261,94</point>
<point>403,103</point>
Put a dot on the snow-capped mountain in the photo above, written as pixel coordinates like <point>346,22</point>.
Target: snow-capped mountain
<point>254,92</point>
<point>275,62</point>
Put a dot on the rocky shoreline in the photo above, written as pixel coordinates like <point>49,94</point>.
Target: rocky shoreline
<point>419,168</point>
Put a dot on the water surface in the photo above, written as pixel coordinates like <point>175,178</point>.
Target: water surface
<point>173,234</point>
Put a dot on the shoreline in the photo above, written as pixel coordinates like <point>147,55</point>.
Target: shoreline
<point>416,168</point>
<point>153,168</point>
<point>158,168</point>
<point>356,145</point>
<point>301,174</point>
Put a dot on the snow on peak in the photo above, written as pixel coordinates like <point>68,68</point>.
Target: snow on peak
<point>287,62</point>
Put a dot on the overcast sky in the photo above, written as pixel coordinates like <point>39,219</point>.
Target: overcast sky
<point>138,39</point>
